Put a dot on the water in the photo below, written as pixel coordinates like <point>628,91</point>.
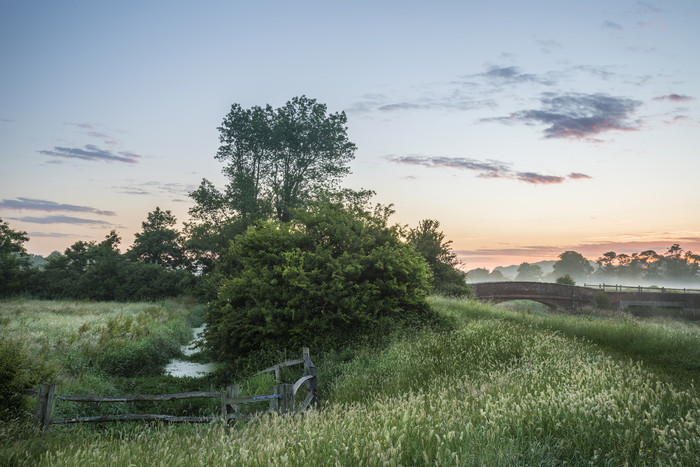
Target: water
<point>181,368</point>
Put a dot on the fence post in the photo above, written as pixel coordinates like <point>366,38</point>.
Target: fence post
<point>310,369</point>
<point>287,399</point>
<point>226,408</point>
<point>44,405</point>
<point>274,403</point>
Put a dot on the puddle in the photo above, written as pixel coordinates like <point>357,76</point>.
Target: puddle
<point>181,368</point>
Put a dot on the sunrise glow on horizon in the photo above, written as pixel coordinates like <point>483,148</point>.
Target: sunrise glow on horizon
<point>526,129</point>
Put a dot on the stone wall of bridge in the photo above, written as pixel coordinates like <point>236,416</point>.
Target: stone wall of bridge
<point>572,297</point>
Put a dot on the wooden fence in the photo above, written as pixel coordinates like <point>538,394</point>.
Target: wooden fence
<point>638,288</point>
<point>281,400</point>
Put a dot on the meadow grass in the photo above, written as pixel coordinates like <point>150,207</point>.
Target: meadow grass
<point>495,388</point>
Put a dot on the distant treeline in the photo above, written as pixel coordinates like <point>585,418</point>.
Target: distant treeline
<point>155,267</point>
<point>674,267</point>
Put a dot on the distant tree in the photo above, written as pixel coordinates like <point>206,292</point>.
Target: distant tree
<point>432,246</point>
<point>529,272</point>
<point>573,264</point>
<point>497,276</point>
<point>14,260</point>
<point>678,266</point>
<point>98,271</point>
<point>158,242</point>
<point>478,275</point>
<point>566,280</point>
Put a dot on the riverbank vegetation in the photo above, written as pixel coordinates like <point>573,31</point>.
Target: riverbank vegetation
<point>487,386</point>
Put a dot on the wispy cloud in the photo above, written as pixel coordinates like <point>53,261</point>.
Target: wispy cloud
<point>486,169</point>
<point>646,7</point>
<point>92,153</point>
<point>547,45</point>
<point>466,92</point>
<point>49,235</point>
<point>49,206</point>
<point>612,26</point>
<point>674,98</point>
<point>578,176</point>
<point>59,220</point>
<point>96,130</point>
<point>578,116</point>
<point>156,188</point>
<point>511,75</point>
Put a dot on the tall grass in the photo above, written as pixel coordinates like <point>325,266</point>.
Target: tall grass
<point>671,344</point>
<point>98,348</point>
<point>499,388</point>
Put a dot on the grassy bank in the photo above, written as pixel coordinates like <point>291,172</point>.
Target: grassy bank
<point>496,387</point>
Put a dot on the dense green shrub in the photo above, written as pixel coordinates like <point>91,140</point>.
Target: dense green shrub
<point>335,272</point>
<point>18,372</point>
<point>566,279</point>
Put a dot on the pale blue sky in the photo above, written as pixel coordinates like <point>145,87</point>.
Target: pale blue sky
<point>525,128</point>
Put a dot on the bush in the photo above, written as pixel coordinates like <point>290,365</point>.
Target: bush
<point>566,280</point>
<point>601,300</point>
<point>18,373</point>
<point>334,273</point>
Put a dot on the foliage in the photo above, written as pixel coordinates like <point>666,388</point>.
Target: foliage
<point>98,271</point>
<point>213,224</point>
<point>278,158</point>
<point>573,264</point>
<point>566,280</point>
<point>431,244</point>
<point>277,161</point>
<point>19,371</point>
<point>529,272</point>
<point>336,272</point>
<point>14,261</point>
<point>676,266</point>
<point>483,275</point>
<point>602,300</point>
<point>158,242</point>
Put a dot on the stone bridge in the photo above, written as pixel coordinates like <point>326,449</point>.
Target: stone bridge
<point>573,297</point>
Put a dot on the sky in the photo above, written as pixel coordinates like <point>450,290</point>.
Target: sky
<point>526,128</point>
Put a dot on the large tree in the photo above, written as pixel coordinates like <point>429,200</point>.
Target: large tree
<point>276,161</point>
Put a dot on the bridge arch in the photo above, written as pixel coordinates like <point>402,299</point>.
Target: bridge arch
<point>548,303</point>
<point>549,294</point>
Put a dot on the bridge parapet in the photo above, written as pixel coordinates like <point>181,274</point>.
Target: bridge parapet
<point>571,296</point>
<point>551,294</point>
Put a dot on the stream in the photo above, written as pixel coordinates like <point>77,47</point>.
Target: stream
<point>182,368</point>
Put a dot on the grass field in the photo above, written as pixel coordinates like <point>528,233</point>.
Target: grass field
<point>493,387</point>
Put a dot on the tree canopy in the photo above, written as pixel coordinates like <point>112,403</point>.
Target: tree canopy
<point>276,161</point>
<point>14,261</point>
<point>432,246</point>
<point>573,264</point>
<point>529,272</point>
<point>336,271</point>
<point>158,242</point>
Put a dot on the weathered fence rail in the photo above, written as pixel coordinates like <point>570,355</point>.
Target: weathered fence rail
<point>281,400</point>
